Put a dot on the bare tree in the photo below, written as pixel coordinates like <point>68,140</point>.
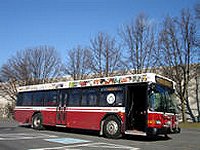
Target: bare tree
<point>177,43</point>
<point>139,39</point>
<point>106,55</point>
<point>197,10</point>
<point>78,63</point>
<point>8,91</point>
<point>31,66</point>
<point>197,16</point>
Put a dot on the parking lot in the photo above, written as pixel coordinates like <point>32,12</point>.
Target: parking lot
<point>17,137</point>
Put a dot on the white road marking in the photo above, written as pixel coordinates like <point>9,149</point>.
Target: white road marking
<point>90,145</point>
<point>78,144</point>
<point>107,145</point>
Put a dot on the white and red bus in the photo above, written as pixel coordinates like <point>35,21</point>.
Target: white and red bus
<point>132,104</point>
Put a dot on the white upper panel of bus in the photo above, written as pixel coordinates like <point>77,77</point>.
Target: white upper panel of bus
<point>136,78</point>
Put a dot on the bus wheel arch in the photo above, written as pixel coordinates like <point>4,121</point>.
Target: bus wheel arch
<point>111,126</point>
<point>37,121</point>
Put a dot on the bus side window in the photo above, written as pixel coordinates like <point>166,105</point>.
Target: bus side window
<point>38,98</point>
<point>119,98</point>
<point>103,99</point>
<point>19,99</point>
<point>27,99</point>
<point>50,98</point>
<point>92,99</point>
<point>74,97</point>
<point>89,97</point>
<point>111,98</point>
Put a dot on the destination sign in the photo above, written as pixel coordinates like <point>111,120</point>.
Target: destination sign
<point>164,82</point>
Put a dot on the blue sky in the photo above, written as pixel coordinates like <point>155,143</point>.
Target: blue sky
<point>65,24</point>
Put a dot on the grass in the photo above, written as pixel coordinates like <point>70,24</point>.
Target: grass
<point>189,125</point>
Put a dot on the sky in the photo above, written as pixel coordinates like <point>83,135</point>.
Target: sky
<point>65,24</point>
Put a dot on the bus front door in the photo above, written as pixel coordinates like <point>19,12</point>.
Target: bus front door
<point>61,117</point>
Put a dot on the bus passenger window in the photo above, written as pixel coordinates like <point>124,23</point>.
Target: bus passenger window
<point>19,99</point>
<point>89,98</point>
<point>24,99</point>
<point>114,98</point>
<point>27,99</point>
<point>50,98</point>
<point>104,99</point>
<point>38,98</point>
<point>74,97</point>
<point>92,99</point>
<point>119,98</point>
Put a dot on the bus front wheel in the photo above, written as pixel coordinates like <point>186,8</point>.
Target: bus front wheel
<point>37,121</point>
<point>112,127</point>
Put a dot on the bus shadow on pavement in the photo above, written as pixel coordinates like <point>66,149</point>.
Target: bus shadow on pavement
<point>146,138</point>
<point>73,131</point>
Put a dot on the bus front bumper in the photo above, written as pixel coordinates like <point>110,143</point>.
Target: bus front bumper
<point>162,131</point>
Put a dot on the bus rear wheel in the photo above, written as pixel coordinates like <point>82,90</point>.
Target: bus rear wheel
<point>112,127</point>
<point>37,121</point>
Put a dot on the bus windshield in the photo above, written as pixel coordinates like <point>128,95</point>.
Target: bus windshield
<point>162,99</point>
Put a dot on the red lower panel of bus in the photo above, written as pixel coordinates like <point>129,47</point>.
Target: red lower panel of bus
<point>73,118</point>
<point>23,116</point>
<point>49,117</point>
<point>84,120</point>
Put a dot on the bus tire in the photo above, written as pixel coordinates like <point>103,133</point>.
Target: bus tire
<point>37,121</point>
<point>112,127</point>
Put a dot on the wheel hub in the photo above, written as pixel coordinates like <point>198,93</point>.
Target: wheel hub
<point>112,127</point>
<point>37,122</point>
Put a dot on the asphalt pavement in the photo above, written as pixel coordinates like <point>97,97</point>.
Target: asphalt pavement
<point>15,137</point>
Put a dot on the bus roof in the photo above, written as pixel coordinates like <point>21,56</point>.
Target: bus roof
<point>133,78</point>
